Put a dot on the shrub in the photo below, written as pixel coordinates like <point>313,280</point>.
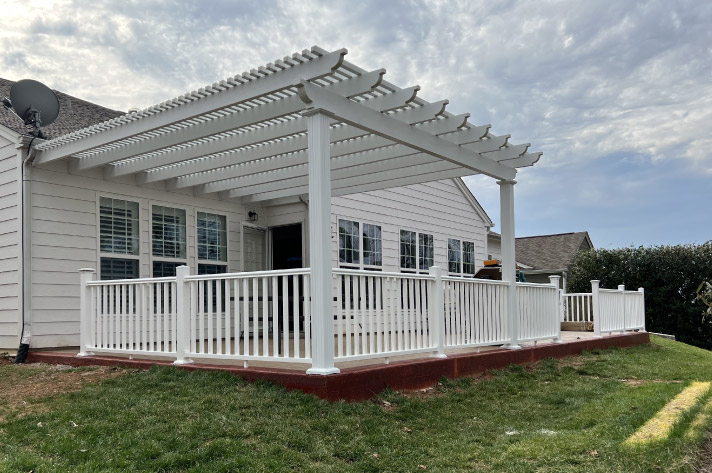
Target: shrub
<point>671,276</point>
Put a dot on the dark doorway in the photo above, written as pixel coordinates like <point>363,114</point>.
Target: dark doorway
<point>287,246</point>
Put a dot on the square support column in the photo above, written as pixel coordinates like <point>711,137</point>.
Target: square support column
<point>320,243</point>
<point>509,263</point>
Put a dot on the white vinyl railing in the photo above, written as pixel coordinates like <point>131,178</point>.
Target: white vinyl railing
<point>251,316</point>
<point>380,314</point>
<point>266,315</point>
<point>578,307</point>
<point>619,310</point>
<point>539,309</point>
<point>475,312</point>
<point>133,316</point>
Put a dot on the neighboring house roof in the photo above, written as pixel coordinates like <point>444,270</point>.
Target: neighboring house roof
<point>549,252</point>
<point>74,114</point>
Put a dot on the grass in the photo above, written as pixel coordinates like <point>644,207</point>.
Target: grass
<point>555,416</point>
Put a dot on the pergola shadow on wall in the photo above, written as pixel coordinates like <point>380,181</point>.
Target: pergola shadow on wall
<point>311,125</point>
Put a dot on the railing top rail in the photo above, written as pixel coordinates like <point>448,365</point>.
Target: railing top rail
<point>476,280</point>
<point>115,282</point>
<point>359,272</point>
<point>534,284</point>
<point>611,291</point>
<point>247,274</point>
<point>578,294</point>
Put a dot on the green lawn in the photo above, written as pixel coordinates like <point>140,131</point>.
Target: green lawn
<point>555,416</point>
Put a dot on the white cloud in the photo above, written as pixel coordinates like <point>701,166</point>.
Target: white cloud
<point>579,80</point>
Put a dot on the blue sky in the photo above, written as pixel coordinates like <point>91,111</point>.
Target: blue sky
<point>617,94</point>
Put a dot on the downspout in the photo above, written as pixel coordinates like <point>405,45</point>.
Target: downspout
<point>26,248</point>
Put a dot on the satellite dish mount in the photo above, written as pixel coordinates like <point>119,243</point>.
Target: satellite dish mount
<point>34,103</point>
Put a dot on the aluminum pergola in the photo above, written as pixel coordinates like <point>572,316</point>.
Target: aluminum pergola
<point>312,124</point>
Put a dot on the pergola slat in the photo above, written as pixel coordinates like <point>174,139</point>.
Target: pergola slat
<point>246,138</point>
<point>91,138</point>
<point>424,117</point>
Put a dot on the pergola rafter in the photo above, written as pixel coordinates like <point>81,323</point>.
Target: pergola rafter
<point>246,137</point>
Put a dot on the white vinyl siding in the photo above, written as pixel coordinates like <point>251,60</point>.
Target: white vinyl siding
<point>435,208</point>
<point>9,245</point>
<point>66,235</point>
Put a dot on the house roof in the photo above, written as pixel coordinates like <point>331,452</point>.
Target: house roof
<point>74,114</point>
<point>245,138</point>
<point>551,251</point>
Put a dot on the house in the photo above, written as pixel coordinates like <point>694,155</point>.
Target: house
<point>305,211</point>
<point>541,256</point>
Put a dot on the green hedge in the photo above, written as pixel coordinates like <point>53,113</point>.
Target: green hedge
<point>670,276</point>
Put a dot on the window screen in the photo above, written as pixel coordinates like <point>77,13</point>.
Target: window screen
<point>372,250</point>
<point>118,226</point>
<point>453,255</point>
<point>407,249</point>
<point>426,255</point>
<point>212,237</point>
<point>168,232</point>
<point>348,242</point>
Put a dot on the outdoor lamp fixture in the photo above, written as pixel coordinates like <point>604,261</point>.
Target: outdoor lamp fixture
<point>252,216</point>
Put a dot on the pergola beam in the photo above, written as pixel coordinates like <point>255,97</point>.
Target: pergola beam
<point>354,114</point>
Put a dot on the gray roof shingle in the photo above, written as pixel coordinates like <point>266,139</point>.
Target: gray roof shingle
<point>74,114</point>
<point>550,251</point>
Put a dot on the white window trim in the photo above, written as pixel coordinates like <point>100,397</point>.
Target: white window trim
<point>417,269</point>
<point>100,254</point>
<point>360,264</point>
<point>462,257</point>
<point>227,238</point>
<point>151,257</point>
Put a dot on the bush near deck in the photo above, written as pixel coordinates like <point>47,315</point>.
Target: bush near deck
<point>670,276</point>
<point>555,416</point>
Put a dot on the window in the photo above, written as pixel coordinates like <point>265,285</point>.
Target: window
<point>372,250</point>
<point>453,256</point>
<point>460,257</point>
<point>212,237</point>
<point>348,242</point>
<point>119,268</point>
<point>118,235</point>
<point>408,249</point>
<point>416,251</point>
<point>168,232</point>
<point>351,240</point>
<point>468,257</point>
<point>168,239</point>
<point>426,251</point>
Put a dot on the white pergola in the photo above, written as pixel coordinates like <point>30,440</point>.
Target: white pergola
<point>310,125</point>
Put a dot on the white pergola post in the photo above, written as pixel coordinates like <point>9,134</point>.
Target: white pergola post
<point>320,243</point>
<point>509,264</point>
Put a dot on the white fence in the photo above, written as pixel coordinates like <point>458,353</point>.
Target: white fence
<point>475,312</point>
<point>578,307</point>
<point>266,315</point>
<point>133,316</point>
<point>382,314</point>
<point>618,310</point>
<point>539,309</point>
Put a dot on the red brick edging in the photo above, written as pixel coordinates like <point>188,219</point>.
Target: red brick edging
<point>356,384</point>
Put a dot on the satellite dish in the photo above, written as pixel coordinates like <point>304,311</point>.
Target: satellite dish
<point>34,103</point>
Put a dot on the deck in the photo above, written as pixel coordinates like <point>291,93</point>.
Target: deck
<point>361,379</point>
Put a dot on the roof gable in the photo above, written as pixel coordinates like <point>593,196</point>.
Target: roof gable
<point>74,114</point>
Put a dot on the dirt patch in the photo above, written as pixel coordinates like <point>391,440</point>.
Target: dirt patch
<point>20,385</point>
<point>705,456</point>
